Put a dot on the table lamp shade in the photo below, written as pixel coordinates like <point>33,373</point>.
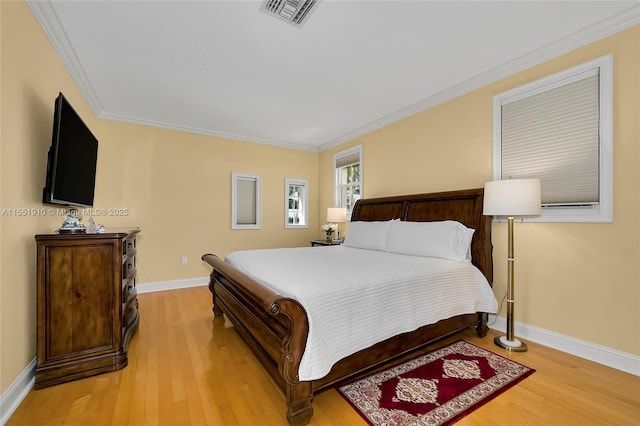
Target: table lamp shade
<point>513,197</point>
<point>336,214</point>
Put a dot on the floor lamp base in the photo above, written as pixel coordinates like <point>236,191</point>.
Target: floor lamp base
<point>514,345</point>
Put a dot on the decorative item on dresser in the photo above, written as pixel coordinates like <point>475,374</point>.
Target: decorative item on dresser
<point>86,302</point>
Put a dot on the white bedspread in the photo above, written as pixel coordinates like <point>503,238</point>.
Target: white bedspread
<point>351,295</point>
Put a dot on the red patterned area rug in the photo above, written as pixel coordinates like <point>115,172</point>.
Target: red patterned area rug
<point>438,388</point>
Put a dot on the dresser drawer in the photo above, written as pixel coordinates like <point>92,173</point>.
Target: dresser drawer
<point>128,267</point>
<point>130,245</point>
<point>129,313</point>
<point>129,290</point>
<point>129,258</point>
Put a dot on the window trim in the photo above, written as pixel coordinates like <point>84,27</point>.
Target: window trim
<point>603,211</point>
<point>337,199</point>
<point>235,177</point>
<point>304,183</point>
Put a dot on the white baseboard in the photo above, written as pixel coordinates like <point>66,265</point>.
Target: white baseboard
<point>17,391</point>
<point>171,285</point>
<point>602,355</point>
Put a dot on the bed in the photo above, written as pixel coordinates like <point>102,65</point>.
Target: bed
<point>276,326</point>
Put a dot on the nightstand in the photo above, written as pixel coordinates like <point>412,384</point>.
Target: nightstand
<point>326,243</point>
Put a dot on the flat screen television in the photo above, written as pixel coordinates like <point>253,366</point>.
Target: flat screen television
<point>71,164</point>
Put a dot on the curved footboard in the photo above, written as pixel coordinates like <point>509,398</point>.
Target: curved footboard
<point>274,327</point>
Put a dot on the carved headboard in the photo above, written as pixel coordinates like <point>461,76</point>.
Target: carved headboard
<point>465,206</point>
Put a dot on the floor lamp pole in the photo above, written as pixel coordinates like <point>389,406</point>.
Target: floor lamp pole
<point>509,342</point>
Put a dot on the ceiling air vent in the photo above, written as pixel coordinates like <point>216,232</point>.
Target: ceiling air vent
<point>292,11</point>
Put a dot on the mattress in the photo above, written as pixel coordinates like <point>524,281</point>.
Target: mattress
<point>355,298</point>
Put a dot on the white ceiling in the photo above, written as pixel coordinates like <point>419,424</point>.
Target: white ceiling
<point>226,68</point>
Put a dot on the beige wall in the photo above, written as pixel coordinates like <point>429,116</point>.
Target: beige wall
<point>580,280</point>
<point>177,188</point>
<point>175,185</point>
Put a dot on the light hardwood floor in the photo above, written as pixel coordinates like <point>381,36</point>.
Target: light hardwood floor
<point>185,368</point>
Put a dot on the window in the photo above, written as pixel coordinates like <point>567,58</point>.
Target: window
<point>348,178</point>
<point>559,129</point>
<point>296,203</point>
<point>245,201</point>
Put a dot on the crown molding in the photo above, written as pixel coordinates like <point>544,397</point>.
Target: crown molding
<point>206,132</point>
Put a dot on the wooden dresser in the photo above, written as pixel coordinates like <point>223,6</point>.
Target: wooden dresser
<point>86,302</point>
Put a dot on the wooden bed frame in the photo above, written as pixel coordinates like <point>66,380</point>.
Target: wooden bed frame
<point>276,327</point>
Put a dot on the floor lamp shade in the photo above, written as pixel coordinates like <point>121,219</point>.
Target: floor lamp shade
<point>513,197</point>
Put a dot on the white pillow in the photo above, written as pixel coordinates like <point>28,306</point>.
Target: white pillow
<point>367,235</point>
<point>445,239</point>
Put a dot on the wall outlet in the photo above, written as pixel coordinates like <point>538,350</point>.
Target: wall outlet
<point>184,260</point>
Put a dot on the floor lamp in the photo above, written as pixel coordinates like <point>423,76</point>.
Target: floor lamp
<point>513,197</point>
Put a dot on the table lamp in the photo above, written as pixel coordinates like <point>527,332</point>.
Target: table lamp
<point>337,215</point>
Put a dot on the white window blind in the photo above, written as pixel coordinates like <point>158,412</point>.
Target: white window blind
<point>553,135</point>
<point>245,202</point>
<point>246,212</point>
<point>348,160</point>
